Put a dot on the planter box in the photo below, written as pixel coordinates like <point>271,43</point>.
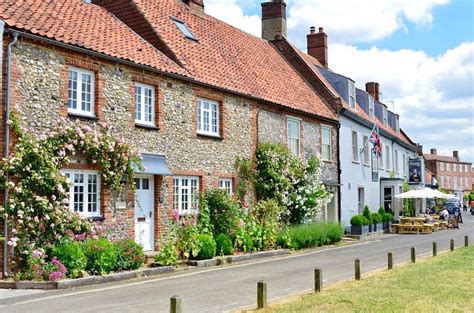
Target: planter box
<point>360,230</point>
<point>379,227</point>
<point>387,225</point>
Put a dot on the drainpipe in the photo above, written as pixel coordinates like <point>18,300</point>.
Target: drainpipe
<point>339,172</point>
<point>7,148</point>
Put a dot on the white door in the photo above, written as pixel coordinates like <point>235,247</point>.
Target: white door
<point>144,211</point>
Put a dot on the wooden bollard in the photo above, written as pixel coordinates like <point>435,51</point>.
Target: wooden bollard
<point>413,255</point>
<point>466,241</point>
<point>261,294</point>
<point>451,246</point>
<point>176,304</point>
<point>318,280</point>
<point>390,260</point>
<point>357,269</point>
<point>435,249</point>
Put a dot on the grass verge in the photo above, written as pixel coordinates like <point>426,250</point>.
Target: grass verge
<point>441,284</point>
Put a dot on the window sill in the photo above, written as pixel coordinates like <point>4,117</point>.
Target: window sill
<point>145,126</point>
<point>82,116</point>
<point>355,162</point>
<point>95,218</point>
<point>208,136</point>
<point>366,165</point>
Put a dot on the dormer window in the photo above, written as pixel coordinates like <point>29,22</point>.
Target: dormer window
<point>184,29</point>
<point>371,107</point>
<point>397,121</point>
<point>385,116</point>
<point>352,95</point>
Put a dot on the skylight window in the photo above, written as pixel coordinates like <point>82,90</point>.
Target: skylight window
<point>184,29</point>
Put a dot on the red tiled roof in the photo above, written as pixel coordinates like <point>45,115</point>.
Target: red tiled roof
<point>85,25</point>
<point>313,62</point>
<point>229,58</point>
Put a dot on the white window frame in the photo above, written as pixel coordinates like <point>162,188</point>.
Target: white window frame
<point>385,116</point>
<point>455,182</point>
<point>404,171</point>
<point>226,185</point>
<point>461,182</point>
<point>213,122</point>
<point>441,166</point>
<point>290,139</point>
<point>448,181</point>
<point>397,124</point>
<point>461,168</point>
<point>382,157</point>
<point>371,106</point>
<point>86,193</point>
<point>366,147</point>
<point>140,102</point>
<point>352,94</point>
<point>448,167</point>
<point>78,110</point>
<point>466,180</point>
<point>441,183</point>
<point>455,167</point>
<point>387,159</point>
<point>190,191</point>
<point>396,162</point>
<point>355,146</point>
<point>323,143</point>
<point>466,168</point>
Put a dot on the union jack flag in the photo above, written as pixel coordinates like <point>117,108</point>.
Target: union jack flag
<point>375,141</point>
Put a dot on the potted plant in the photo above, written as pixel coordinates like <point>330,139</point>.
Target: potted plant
<point>376,222</point>
<point>366,214</point>
<point>359,225</point>
<point>388,219</point>
<point>382,215</point>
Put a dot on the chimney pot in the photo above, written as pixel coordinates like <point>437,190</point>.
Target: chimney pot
<point>318,45</point>
<point>433,151</point>
<point>456,155</point>
<point>274,23</point>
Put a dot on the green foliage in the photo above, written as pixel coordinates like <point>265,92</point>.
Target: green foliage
<point>375,218</point>
<point>129,255</point>
<point>223,211</point>
<point>224,245</point>
<point>267,216</point>
<point>72,256</point>
<point>358,220</point>
<point>388,217</point>
<point>167,255</point>
<point>311,235</point>
<point>207,247</point>
<point>382,213</point>
<point>101,256</point>
<point>291,181</point>
<point>366,213</point>
<point>187,241</point>
<point>245,187</point>
<point>408,205</point>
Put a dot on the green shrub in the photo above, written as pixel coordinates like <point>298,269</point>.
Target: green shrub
<point>129,255</point>
<point>207,247</point>
<point>224,245</point>
<point>72,256</point>
<point>366,213</point>
<point>388,217</point>
<point>267,215</point>
<point>101,256</point>
<point>375,218</point>
<point>358,220</point>
<point>310,235</point>
<point>223,212</point>
<point>382,213</point>
<point>167,255</point>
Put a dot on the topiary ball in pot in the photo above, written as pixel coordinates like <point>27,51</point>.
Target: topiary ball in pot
<point>357,220</point>
<point>101,256</point>
<point>224,245</point>
<point>208,247</point>
<point>72,256</point>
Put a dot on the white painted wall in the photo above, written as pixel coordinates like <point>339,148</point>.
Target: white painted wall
<point>355,175</point>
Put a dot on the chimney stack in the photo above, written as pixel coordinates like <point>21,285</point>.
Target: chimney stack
<point>195,5</point>
<point>433,151</point>
<point>373,89</point>
<point>456,155</point>
<point>274,20</point>
<point>318,45</point>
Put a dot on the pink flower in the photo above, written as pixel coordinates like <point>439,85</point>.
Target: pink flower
<point>194,218</point>
<point>176,215</point>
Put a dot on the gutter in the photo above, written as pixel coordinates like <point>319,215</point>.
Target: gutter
<point>157,71</point>
<point>7,145</point>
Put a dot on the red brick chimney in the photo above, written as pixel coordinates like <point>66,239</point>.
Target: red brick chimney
<point>373,89</point>
<point>274,20</point>
<point>318,45</point>
<point>456,155</point>
<point>433,151</point>
<point>195,5</point>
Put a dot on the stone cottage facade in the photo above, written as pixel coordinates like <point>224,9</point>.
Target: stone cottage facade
<point>189,108</point>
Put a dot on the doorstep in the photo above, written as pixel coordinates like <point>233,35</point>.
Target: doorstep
<point>87,281</point>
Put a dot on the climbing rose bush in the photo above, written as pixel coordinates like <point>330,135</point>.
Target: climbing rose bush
<point>38,211</point>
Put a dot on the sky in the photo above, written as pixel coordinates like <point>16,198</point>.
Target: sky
<point>420,51</point>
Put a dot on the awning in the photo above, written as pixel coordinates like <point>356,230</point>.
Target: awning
<point>154,164</point>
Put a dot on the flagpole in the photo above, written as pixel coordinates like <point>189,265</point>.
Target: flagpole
<point>367,143</point>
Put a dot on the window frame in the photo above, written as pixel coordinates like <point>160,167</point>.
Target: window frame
<point>200,117</point>
<point>178,200</point>
<point>385,116</point>
<point>387,159</point>
<point>184,29</point>
<point>441,183</point>
<point>352,95</point>
<point>371,107</point>
<point>404,170</point>
<point>329,129</point>
<point>143,104</point>
<point>355,146</point>
<point>441,166</point>
<point>290,119</point>
<point>448,181</point>
<point>79,91</point>
<point>455,168</point>
<point>448,167</point>
<point>397,167</point>
<point>86,193</point>
<point>365,144</point>
<point>222,185</point>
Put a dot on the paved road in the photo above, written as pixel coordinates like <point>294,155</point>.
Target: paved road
<point>227,288</point>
